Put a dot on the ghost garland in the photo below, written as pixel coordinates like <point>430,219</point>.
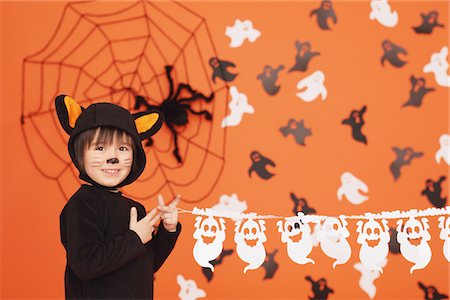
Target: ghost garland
<point>330,232</point>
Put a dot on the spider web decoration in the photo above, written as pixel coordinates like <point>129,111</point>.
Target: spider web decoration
<point>112,52</point>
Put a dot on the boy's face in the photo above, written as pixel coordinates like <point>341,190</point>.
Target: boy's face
<point>108,165</point>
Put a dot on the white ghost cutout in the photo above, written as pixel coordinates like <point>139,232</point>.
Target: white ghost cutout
<point>366,281</point>
<point>374,240</point>
<point>210,235</point>
<point>240,32</point>
<point>333,240</point>
<point>444,225</point>
<point>413,240</point>
<point>351,187</point>
<point>439,66</point>
<point>250,238</point>
<point>296,233</point>
<point>444,150</point>
<point>381,11</point>
<point>230,204</point>
<point>189,289</point>
<point>238,107</point>
<point>314,86</point>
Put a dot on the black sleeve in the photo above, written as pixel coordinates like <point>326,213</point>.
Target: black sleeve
<point>163,243</point>
<point>82,236</point>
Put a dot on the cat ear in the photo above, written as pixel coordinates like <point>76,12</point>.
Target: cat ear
<point>148,123</point>
<point>68,111</point>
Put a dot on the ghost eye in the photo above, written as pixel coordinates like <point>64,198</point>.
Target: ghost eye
<point>335,226</point>
<point>213,228</point>
<point>254,230</point>
<point>206,227</point>
<point>290,228</point>
<point>246,231</point>
<point>416,229</point>
<point>369,231</point>
<point>376,231</point>
<point>409,230</point>
<point>297,226</point>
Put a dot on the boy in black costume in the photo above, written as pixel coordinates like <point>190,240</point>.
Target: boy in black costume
<point>112,251</point>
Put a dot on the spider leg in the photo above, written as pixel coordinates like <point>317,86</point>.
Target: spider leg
<point>207,114</point>
<point>196,96</point>
<point>194,93</point>
<point>175,152</point>
<point>169,77</point>
<point>141,101</point>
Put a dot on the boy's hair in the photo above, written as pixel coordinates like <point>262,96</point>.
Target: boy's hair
<point>106,136</point>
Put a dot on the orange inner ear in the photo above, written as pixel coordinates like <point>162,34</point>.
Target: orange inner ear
<point>73,109</point>
<point>146,122</point>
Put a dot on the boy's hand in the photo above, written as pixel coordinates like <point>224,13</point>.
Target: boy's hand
<point>169,213</point>
<point>144,228</point>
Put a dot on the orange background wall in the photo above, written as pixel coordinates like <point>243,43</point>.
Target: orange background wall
<point>33,260</point>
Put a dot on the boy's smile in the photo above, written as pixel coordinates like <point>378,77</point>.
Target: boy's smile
<point>108,164</point>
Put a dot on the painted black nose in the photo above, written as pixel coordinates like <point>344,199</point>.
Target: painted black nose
<point>114,160</point>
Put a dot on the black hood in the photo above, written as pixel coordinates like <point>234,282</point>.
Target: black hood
<point>139,126</point>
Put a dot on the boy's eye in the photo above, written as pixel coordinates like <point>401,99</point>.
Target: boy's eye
<point>100,148</point>
<point>123,148</point>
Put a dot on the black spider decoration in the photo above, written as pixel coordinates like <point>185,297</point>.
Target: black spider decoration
<point>176,108</point>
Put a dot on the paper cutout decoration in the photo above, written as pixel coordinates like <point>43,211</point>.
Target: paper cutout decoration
<point>413,239</point>
<point>210,235</point>
<point>215,262</point>
<point>241,31</point>
<point>231,203</point>
<point>270,265</point>
<point>259,165</point>
<point>366,281</point>
<point>269,78</point>
<point>333,240</point>
<point>438,65</point>
<point>392,54</point>
<point>444,150</point>
<point>319,289</point>
<point>433,192</point>
<point>296,234</point>
<point>444,225</point>
<point>351,187</point>
<point>313,86</point>
<point>238,107</point>
<point>374,241</point>
<point>250,238</point>
<point>382,12</point>
<point>429,22</point>
<point>189,289</point>
<point>431,292</point>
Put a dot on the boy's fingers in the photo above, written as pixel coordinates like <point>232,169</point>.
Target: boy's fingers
<point>175,201</point>
<point>155,219</point>
<point>161,200</point>
<point>151,214</point>
<point>133,215</point>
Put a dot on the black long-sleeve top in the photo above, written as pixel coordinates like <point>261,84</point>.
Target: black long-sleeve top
<point>105,259</point>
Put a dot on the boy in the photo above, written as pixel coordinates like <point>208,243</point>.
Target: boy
<point>112,252</point>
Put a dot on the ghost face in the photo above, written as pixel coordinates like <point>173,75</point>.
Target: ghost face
<point>293,230</point>
<point>210,235</point>
<point>249,238</point>
<point>375,243</point>
<point>413,241</point>
<point>297,235</point>
<point>444,141</point>
<point>332,230</point>
<point>414,232</point>
<point>255,156</point>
